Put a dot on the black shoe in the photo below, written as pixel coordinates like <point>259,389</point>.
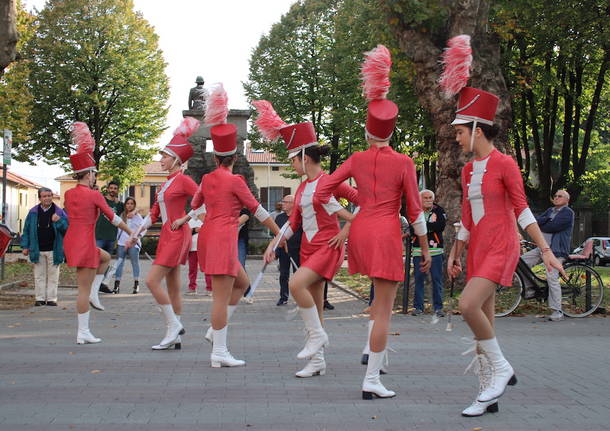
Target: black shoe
<point>117,284</point>
<point>328,306</point>
<point>136,287</point>
<point>281,302</point>
<point>52,303</point>
<point>39,303</point>
<point>416,312</point>
<point>105,289</point>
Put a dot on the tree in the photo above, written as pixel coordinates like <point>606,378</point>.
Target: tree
<point>96,61</point>
<point>8,33</point>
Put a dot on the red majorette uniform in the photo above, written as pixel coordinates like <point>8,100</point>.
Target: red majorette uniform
<point>170,201</point>
<point>383,176</point>
<point>493,196</point>
<point>222,195</point>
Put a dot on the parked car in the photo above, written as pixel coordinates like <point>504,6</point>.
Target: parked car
<point>600,254</point>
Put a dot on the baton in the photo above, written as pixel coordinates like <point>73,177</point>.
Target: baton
<point>259,277</point>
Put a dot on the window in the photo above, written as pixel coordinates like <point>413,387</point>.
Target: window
<point>132,191</point>
<point>275,168</point>
<point>272,195</point>
<point>153,193</point>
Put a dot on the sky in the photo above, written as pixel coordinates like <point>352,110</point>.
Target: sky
<point>213,39</point>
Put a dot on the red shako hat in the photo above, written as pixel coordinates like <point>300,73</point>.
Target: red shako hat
<point>179,147</point>
<point>381,112</point>
<point>296,136</point>
<point>224,135</point>
<point>83,159</point>
<point>474,105</point>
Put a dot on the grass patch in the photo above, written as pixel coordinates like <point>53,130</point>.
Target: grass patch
<point>16,271</point>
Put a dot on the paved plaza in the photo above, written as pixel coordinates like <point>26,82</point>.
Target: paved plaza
<point>47,382</point>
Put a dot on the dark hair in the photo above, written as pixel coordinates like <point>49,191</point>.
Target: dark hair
<point>135,205</point>
<point>490,132</point>
<point>226,161</point>
<point>43,190</point>
<point>113,182</point>
<point>316,152</point>
<point>79,175</point>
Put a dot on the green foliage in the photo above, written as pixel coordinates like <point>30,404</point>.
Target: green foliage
<point>99,62</point>
<point>308,66</point>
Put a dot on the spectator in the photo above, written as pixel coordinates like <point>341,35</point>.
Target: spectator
<point>134,221</point>
<point>105,231</point>
<point>243,237</point>
<point>195,224</point>
<point>556,224</point>
<point>278,209</point>
<point>294,249</point>
<point>43,241</point>
<point>435,221</point>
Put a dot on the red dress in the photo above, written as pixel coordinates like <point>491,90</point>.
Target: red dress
<point>174,245</point>
<point>320,224</point>
<point>224,195</point>
<point>493,196</point>
<point>375,243</point>
<point>83,206</point>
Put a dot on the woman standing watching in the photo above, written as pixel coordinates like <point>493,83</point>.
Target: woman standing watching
<point>492,198</point>
<point>223,195</point>
<point>134,221</point>
<point>175,240</point>
<point>322,245</point>
<point>383,177</point>
<point>83,206</point>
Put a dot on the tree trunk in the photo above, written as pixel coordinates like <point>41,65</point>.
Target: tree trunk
<point>424,49</point>
<point>8,33</point>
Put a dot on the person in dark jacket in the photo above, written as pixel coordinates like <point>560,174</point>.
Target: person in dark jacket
<point>43,241</point>
<point>556,224</point>
<point>294,249</point>
<point>435,222</point>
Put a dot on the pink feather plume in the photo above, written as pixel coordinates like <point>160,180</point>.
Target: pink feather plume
<point>268,121</point>
<point>81,137</point>
<point>375,73</point>
<point>217,106</point>
<point>188,126</point>
<point>456,60</point>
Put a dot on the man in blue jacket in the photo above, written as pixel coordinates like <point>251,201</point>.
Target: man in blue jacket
<point>43,241</point>
<point>556,224</point>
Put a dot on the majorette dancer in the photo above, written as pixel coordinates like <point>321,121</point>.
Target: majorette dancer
<point>383,177</point>
<point>223,195</point>
<point>322,246</point>
<point>83,205</point>
<point>175,239</point>
<point>493,197</point>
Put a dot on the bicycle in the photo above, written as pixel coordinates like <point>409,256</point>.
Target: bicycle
<point>582,290</point>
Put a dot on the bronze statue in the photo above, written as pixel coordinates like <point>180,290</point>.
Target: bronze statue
<point>198,96</point>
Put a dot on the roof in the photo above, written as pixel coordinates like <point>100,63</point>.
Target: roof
<point>152,168</point>
<point>262,156</point>
<point>23,181</point>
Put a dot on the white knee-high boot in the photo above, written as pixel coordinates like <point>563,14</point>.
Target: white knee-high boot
<point>94,299</point>
<point>367,347</point>
<point>316,335</point>
<point>482,369</point>
<point>372,383</point>
<point>173,328</point>
<point>84,335</point>
<point>221,357</point>
<point>230,311</point>
<point>502,374</point>
<point>315,367</point>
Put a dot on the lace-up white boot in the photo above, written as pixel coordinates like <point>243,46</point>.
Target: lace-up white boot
<point>84,335</point>
<point>372,384</point>
<point>502,373</point>
<point>315,367</point>
<point>481,369</point>
<point>221,357</point>
<point>316,335</point>
<point>94,299</point>
<point>173,331</point>
<point>208,333</point>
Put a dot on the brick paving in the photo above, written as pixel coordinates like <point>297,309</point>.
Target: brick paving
<point>47,382</point>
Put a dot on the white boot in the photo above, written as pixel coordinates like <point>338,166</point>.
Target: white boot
<point>478,408</point>
<point>316,335</point>
<point>367,348</point>
<point>173,331</point>
<point>315,367</point>
<point>94,298</point>
<point>230,311</point>
<point>372,384</point>
<point>84,335</point>
<point>221,357</point>
<point>502,373</point>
